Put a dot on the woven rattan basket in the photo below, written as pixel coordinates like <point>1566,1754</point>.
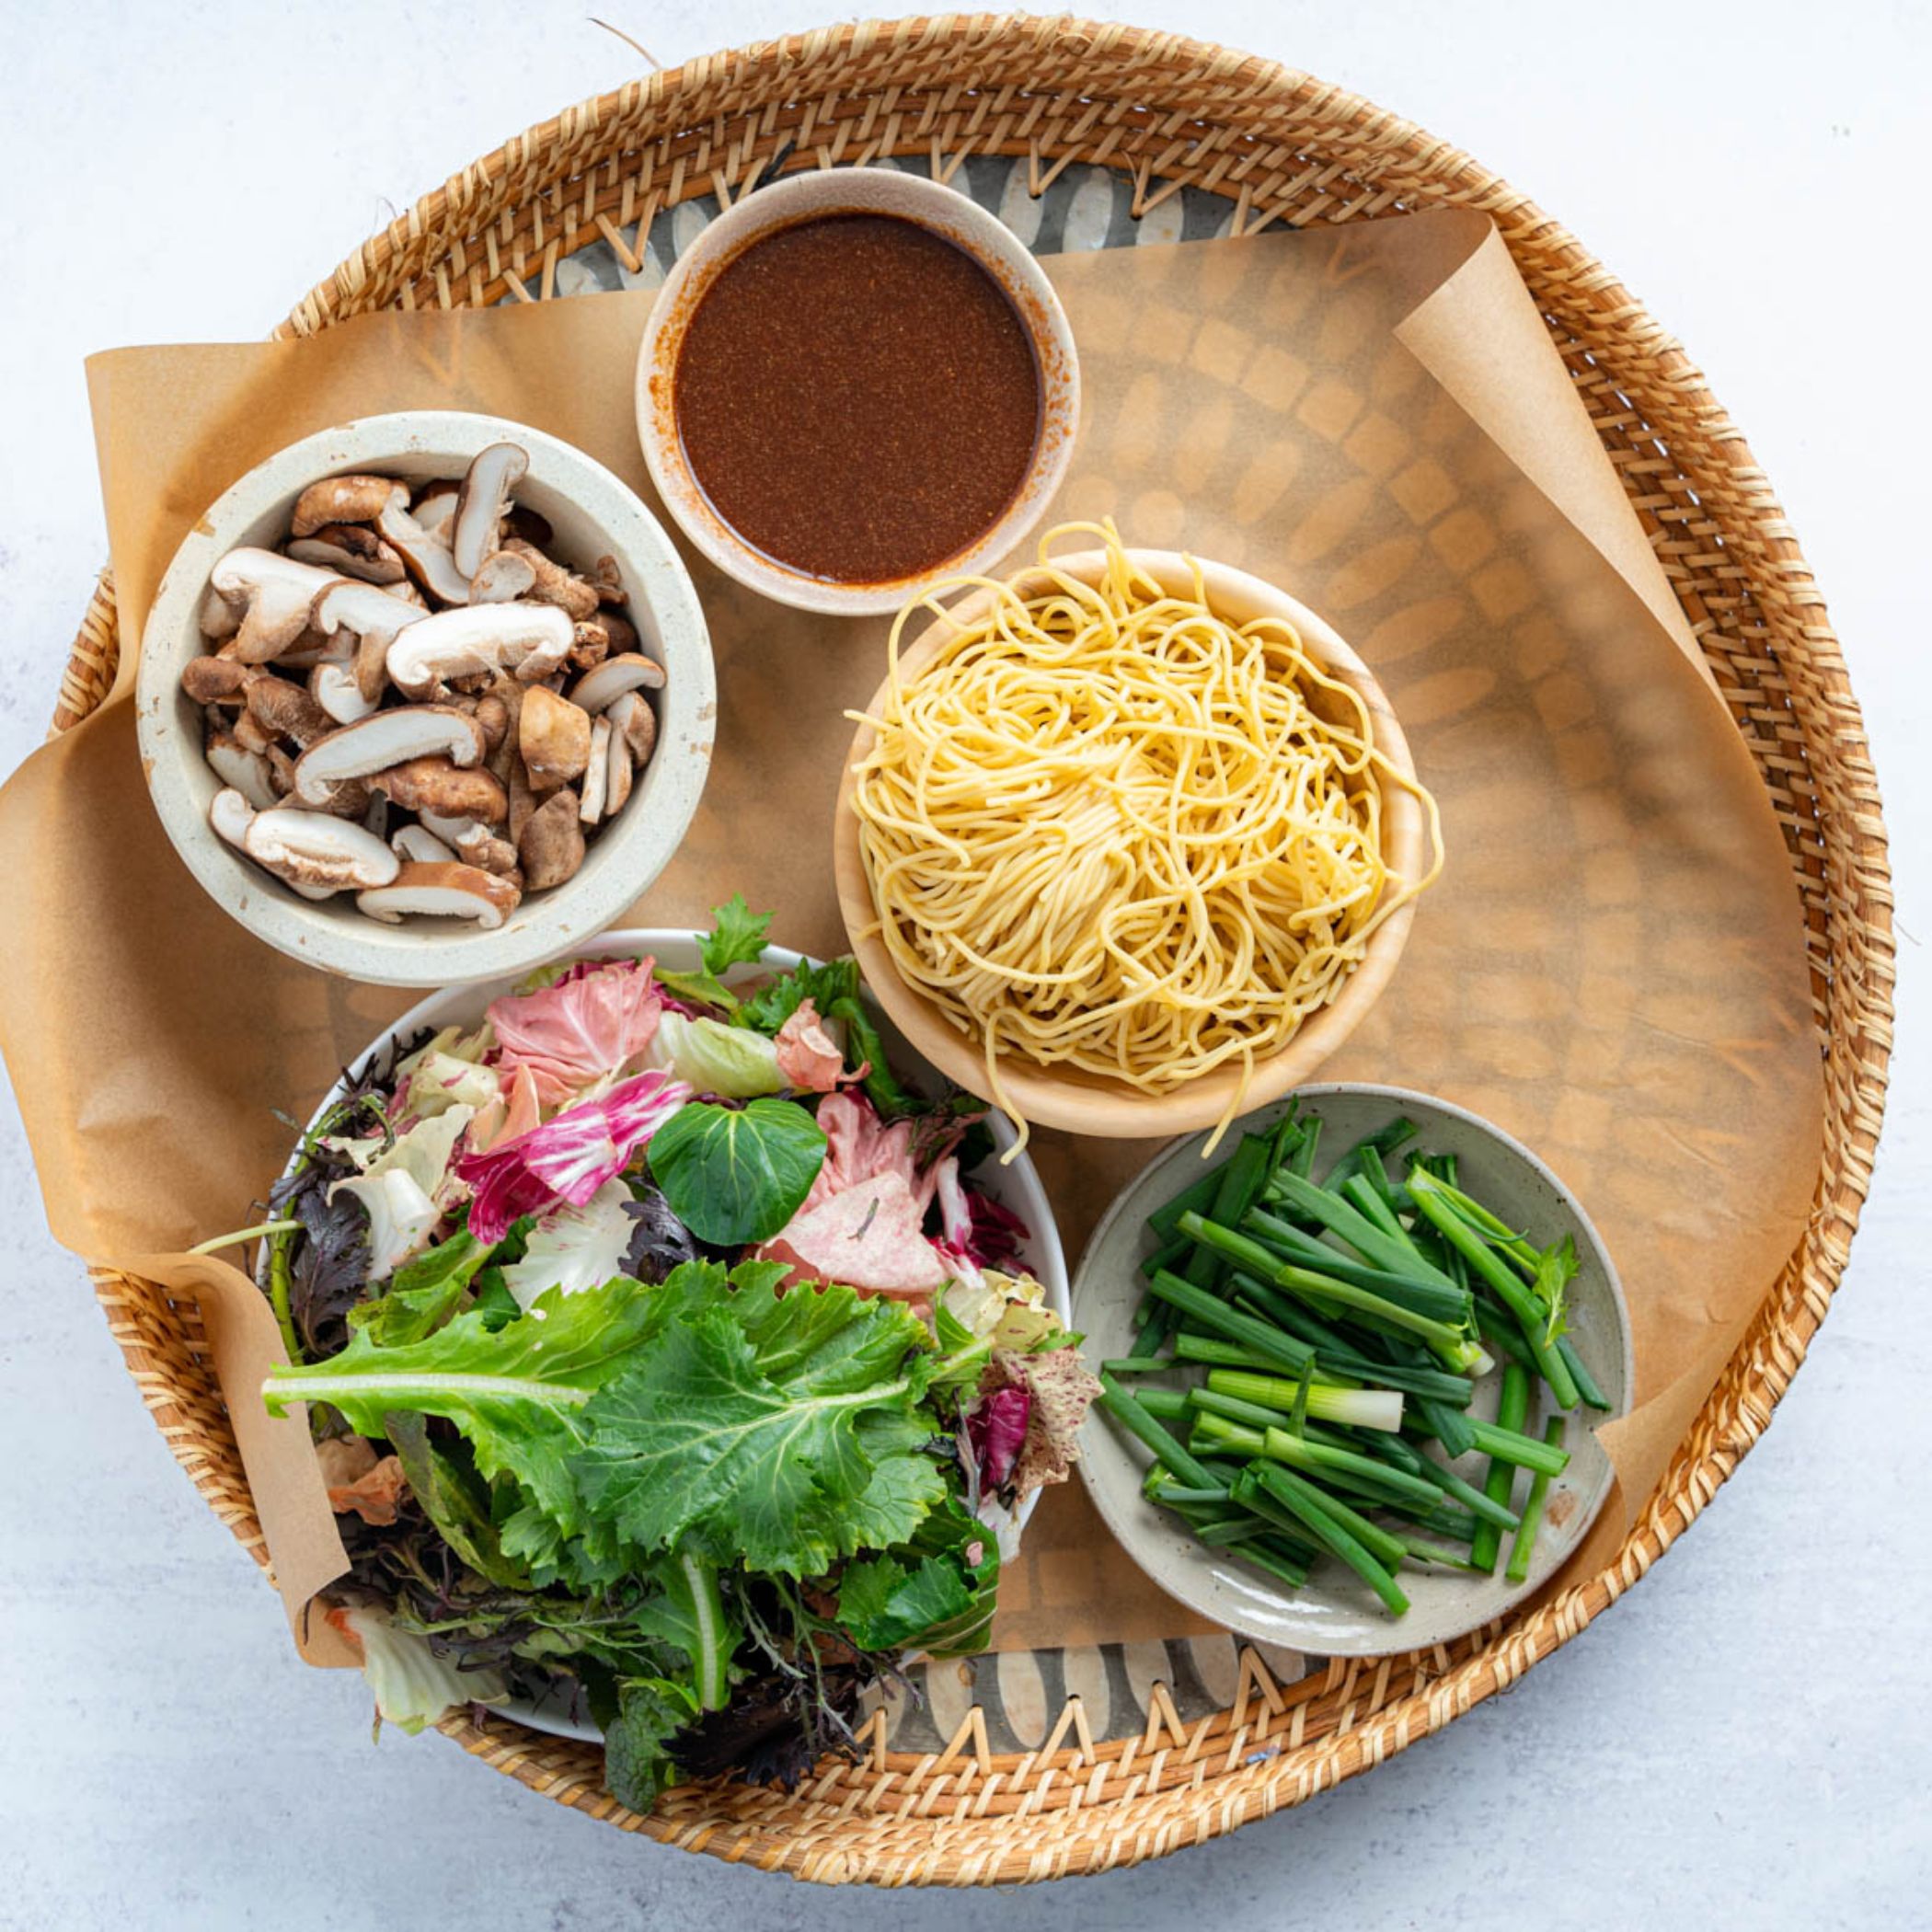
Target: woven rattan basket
<point>1164,114</point>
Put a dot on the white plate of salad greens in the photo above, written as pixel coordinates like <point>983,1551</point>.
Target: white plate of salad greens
<point>681,1356</point>
<point>1352,1371</point>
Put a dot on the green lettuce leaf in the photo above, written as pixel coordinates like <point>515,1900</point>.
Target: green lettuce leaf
<point>936,1594</point>
<point>715,1058</point>
<point>423,1293</point>
<point>691,1616</point>
<point>450,1494</point>
<point>752,1427</point>
<point>772,1003</point>
<point>737,1174</point>
<point>737,936</point>
<point>521,1394</point>
<point>882,1605</point>
<point>637,1758</point>
<point>413,1686</point>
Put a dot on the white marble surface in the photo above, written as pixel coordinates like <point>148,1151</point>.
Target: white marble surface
<point>1745,1740</point>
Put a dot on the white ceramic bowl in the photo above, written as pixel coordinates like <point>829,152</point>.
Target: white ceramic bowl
<point>1334,1615</point>
<point>854,190</point>
<point>1016,1186</point>
<point>592,514</point>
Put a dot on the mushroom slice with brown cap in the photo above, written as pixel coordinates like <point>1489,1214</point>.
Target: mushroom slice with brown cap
<point>473,842</point>
<point>529,640</point>
<point>352,550</point>
<point>554,736</point>
<point>310,848</point>
<point>493,712</point>
<point>435,504</point>
<point>436,785</point>
<point>617,773</point>
<point>242,770</point>
<point>609,580</point>
<point>481,502</point>
<point>599,688</point>
<point>278,593</point>
<point>220,619</point>
<point>619,631</point>
<point>417,844</point>
<point>425,553</point>
<point>504,578</point>
<point>337,690</point>
<point>286,710</point>
<point>523,797</point>
<point>230,815</point>
<point>317,853</point>
<point>442,890</point>
<point>596,774</point>
<point>340,499</point>
<point>633,717</point>
<point>379,742</point>
<point>312,649</point>
<point>550,847</point>
<point>592,646</point>
<point>555,584</point>
<point>217,681</point>
<point>375,618</point>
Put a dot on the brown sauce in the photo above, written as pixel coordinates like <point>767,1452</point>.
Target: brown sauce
<point>857,398</point>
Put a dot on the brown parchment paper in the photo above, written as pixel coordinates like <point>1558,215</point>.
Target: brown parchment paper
<point>1374,416</point>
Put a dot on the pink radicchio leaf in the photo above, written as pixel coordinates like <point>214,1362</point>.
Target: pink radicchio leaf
<point>997,1433</point>
<point>996,1234</point>
<point>808,1056</point>
<point>568,1159</point>
<point>859,1147</point>
<point>974,1227</point>
<point>589,1026</point>
<point>1060,1388</point>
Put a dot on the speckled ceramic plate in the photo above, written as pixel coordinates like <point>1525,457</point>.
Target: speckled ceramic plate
<point>1334,1614</point>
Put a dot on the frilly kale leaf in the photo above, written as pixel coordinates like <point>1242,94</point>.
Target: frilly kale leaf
<point>779,1429</point>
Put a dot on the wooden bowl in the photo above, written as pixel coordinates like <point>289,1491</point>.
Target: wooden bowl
<point>1065,1096</point>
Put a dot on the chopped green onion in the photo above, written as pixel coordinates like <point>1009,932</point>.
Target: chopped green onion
<point>1349,1408</point>
<point>1509,1445</point>
<point>1511,1409</point>
<point>1135,1420</point>
<point>1397,1257</point>
<point>1337,1526</point>
<point>1212,1312</point>
<point>1524,1548</point>
<point>1593,1397</point>
<point>1426,1189</point>
<point>1198,1195</point>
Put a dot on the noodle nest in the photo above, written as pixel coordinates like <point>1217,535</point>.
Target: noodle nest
<point>1105,829</point>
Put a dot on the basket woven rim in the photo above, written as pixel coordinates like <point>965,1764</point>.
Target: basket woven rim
<point>500,227</point>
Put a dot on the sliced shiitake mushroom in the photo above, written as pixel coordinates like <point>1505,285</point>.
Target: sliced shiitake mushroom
<point>444,890</point>
<point>383,741</point>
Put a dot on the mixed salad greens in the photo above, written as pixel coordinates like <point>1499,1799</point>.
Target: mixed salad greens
<point>664,1355</point>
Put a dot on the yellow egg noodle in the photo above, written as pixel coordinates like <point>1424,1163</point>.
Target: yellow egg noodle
<point>1104,828</point>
